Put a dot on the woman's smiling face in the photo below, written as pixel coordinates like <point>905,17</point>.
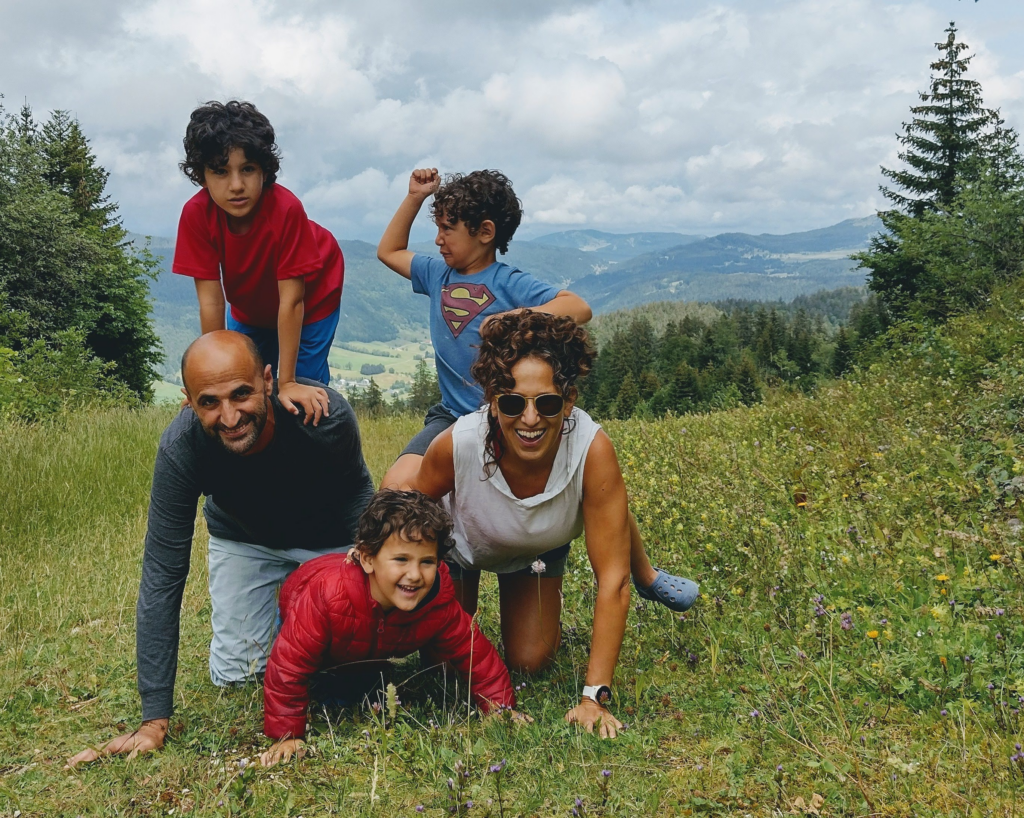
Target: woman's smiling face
<point>531,436</point>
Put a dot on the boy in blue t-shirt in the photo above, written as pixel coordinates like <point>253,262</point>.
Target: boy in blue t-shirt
<point>476,216</point>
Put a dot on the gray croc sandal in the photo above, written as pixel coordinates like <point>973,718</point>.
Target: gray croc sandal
<point>675,593</point>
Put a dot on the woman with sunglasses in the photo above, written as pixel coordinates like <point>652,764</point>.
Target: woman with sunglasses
<point>524,476</point>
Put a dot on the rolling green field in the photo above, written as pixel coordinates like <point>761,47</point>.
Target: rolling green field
<point>857,649</point>
<point>401,355</point>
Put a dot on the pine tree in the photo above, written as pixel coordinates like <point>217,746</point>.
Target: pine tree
<point>842,355</point>
<point>951,142</point>
<point>686,392</point>
<point>72,169</point>
<point>745,378</point>
<point>424,392</point>
<point>627,399</point>
<point>65,265</point>
<point>949,133</point>
<point>373,401</point>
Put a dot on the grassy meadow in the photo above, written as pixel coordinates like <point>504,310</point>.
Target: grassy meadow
<point>857,648</point>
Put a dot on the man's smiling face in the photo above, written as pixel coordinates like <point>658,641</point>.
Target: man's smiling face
<point>229,394</point>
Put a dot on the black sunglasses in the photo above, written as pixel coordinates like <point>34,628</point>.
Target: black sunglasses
<point>513,406</point>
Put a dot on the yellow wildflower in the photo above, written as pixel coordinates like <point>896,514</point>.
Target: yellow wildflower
<point>872,634</point>
<point>942,578</point>
<point>995,557</point>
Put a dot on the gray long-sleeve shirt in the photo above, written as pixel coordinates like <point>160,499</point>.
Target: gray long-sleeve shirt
<point>305,490</point>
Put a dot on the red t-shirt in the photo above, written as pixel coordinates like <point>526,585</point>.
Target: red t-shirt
<point>283,243</point>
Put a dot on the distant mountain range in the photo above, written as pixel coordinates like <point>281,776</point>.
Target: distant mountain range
<point>612,271</point>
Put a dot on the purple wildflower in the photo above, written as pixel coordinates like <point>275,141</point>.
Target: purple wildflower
<point>846,621</point>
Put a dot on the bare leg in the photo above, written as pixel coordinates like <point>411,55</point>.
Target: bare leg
<point>530,612</point>
<point>639,565</point>
<point>402,472</point>
<point>467,591</point>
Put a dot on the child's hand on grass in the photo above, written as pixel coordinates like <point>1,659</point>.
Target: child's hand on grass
<point>150,736</point>
<point>497,712</point>
<point>589,714</point>
<point>283,750</point>
<point>312,399</point>
<point>424,182</point>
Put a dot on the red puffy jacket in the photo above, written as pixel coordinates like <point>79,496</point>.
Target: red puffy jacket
<point>329,618</point>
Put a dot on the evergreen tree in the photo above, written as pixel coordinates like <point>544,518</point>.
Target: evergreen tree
<point>425,391</point>
<point>628,398</point>
<point>71,168</point>
<point>951,142</point>
<point>648,386</point>
<point>65,264</point>
<point>686,391</point>
<point>949,133</point>
<point>842,355</point>
<point>373,401</point>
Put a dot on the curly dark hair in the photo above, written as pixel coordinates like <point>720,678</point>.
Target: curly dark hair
<point>475,197</point>
<point>507,339</point>
<point>217,127</point>
<point>413,514</point>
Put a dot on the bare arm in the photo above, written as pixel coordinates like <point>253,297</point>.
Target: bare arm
<point>211,305</point>
<point>606,521</point>
<point>393,249</point>
<point>568,304</point>
<point>436,475</point>
<point>313,400</point>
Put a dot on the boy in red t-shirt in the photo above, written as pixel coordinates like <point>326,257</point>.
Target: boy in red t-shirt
<point>281,272</point>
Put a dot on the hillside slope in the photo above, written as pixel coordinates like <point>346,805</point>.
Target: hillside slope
<point>858,643</point>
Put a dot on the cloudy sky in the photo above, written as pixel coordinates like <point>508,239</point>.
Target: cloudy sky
<point>700,117</point>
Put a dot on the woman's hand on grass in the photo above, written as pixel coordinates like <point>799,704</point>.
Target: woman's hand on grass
<point>589,714</point>
<point>312,399</point>
<point>283,750</point>
<point>150,736</point>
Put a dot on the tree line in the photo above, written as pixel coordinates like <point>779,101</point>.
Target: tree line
<point>74,310</point>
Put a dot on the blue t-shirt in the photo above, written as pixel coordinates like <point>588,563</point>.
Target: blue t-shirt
<point>458,306</point>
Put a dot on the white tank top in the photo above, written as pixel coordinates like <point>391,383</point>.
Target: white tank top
<point>494,529</point>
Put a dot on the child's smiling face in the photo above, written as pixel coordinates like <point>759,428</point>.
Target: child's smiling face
<point>402,572</point>
<point>236,189</point>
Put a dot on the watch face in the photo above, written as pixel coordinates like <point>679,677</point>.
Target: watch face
<point>604,694</point>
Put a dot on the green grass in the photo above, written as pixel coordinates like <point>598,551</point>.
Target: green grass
<point>876,494</point>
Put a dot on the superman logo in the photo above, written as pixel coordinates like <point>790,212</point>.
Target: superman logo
<point>461,303</point>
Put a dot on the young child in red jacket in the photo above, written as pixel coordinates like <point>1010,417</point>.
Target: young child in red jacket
<point>391,595</point>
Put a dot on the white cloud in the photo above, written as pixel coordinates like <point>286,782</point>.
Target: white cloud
<point>618,114</point>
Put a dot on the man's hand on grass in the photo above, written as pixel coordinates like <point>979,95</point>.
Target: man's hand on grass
<point>150,736</point>
<point>589,714</point>
<point>283,750</point>
<point>313,400</point>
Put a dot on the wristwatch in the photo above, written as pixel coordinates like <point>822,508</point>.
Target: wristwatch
<point>602,694</point>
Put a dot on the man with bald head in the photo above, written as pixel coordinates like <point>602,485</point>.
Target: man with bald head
<point>280,490</point>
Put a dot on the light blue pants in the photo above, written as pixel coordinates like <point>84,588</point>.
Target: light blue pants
<point>244,584</point>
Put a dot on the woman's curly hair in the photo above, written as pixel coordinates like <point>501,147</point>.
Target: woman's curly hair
<point>217,127</point>
<point>476,197</point>
<point>507,339</point>
<point>412,514</point>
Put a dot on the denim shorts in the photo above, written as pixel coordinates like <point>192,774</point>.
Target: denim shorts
<point>314,345</point>
<point>437,420</point>
<point>554,565</point>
